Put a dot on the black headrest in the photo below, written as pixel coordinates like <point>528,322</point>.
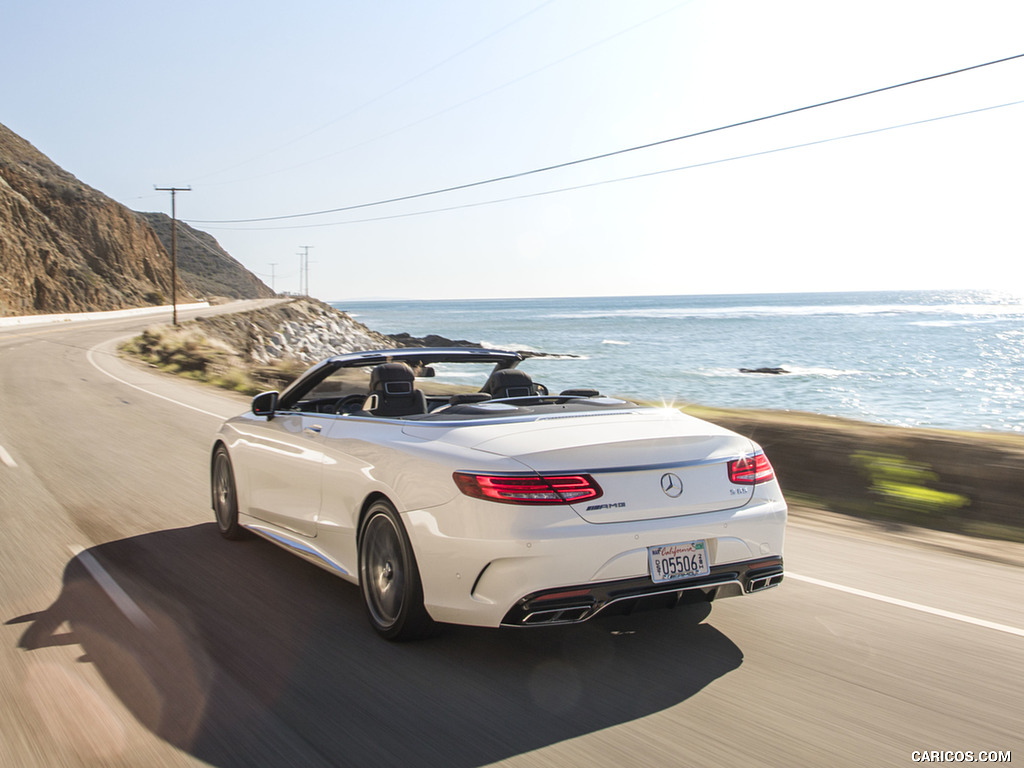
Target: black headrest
<point>509,382</point>
<point>392,379</point>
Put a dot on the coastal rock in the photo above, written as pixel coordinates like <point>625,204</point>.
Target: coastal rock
<point>772,371</point>
<point>309,331</point>
<point>305,330</point>
<point>433,340</point>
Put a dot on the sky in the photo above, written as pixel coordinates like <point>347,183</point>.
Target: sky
<point>270,109</point>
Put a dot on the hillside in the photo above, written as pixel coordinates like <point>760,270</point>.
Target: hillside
<point>206,268</point>
<point>66,247</point>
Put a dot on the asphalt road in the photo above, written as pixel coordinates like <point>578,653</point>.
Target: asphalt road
<point>132,635</point>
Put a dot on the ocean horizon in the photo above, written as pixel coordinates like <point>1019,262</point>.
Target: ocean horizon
<point>938,359</point>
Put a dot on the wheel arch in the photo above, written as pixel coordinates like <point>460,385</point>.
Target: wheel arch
<point>368,502</point>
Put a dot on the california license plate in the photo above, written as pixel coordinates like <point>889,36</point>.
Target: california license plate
<point>684,560</point>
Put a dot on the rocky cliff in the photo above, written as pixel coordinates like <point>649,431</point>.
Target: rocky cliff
<point>65,247</point>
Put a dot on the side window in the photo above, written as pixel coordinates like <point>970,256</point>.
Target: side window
<point>342,383</point>
<point>330,394</point>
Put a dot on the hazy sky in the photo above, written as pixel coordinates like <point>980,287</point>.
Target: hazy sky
<point>272,109</point>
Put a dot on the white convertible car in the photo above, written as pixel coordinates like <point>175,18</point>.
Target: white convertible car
<point>496,504</point>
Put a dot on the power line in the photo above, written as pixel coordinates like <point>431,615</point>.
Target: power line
<point>614,153</point>
<point>634,177</point>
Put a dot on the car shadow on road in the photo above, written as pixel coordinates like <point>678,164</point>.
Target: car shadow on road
<point>244,655</point>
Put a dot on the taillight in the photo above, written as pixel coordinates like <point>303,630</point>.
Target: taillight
<point>751,470</point>
<point>528,489</point>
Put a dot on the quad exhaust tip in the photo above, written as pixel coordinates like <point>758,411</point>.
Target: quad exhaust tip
<point>761,583</point>
<point>575,605</point>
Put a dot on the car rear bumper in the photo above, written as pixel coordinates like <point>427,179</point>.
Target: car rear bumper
<point>571,605</point>
<point>519,558</point>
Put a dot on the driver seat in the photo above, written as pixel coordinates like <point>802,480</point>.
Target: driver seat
<point>392,392</point>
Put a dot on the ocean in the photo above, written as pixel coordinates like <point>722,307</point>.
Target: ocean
<point>940,359</point>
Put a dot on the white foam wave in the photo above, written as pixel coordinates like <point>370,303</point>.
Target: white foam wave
<point>800,370</point>
<point>615,343</point>
<point>955,323</point>
<point>516,347</point>
<point>977,311</point>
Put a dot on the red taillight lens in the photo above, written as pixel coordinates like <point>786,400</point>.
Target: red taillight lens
<point>751,470</point>
<point>528,489</point>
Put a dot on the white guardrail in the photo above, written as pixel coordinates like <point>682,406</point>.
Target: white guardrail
<point>72,317</point>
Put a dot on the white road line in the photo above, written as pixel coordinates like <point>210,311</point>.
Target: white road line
<point>91,359</point>
<point>6,459</point>
<point>125,604</point>
<point>907,604</point>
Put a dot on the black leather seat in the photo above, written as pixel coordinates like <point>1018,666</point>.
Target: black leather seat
<point>392,391</point>
<point>509,382</point>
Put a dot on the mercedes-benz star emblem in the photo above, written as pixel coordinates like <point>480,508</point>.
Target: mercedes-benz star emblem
<point>671,485</point>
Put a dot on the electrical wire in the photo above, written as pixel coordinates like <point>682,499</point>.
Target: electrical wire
<point>634,177</point>
<point>614,153</point>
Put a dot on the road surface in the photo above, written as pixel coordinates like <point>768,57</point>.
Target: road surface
<point>132,635</point>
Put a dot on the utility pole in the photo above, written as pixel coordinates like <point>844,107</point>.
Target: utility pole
<point>174,246</point>
<point>272,286</point>
<point>304,269</point>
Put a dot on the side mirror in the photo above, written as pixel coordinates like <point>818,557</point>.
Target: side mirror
<point>264,404</point>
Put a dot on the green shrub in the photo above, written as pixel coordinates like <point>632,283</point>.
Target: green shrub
<point>237,380</point>
<point>902,487</point>
<point>178,350</point>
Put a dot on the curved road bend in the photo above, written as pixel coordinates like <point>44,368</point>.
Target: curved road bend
<point>131,635</point>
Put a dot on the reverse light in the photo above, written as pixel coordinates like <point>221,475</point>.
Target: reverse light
<point>751,470</point>
<point>528,489</point>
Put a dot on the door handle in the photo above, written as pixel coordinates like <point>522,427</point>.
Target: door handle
<point>314,429</point>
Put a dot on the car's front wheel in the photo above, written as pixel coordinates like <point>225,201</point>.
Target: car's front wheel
<point>389,578</point>
<point>225,495</point>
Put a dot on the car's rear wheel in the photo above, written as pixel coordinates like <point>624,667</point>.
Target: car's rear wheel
<point>225,495</point>
<point>389,578</point>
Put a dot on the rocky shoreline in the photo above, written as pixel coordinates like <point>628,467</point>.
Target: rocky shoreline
<point>307,331</point>
<point>301,330</point>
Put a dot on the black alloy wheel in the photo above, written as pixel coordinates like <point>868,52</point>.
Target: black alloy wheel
<point>225,495</point>
<point>389,578</point>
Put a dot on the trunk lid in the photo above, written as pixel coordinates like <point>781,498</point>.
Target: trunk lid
<point>650,464</point>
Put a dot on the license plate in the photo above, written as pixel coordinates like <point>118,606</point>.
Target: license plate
<point>684,560</point>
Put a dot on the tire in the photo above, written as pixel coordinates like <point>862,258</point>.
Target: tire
<point>388,577</point>
<point>225,495</point>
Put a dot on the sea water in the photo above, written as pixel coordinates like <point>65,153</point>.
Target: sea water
<point>944,359</point>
